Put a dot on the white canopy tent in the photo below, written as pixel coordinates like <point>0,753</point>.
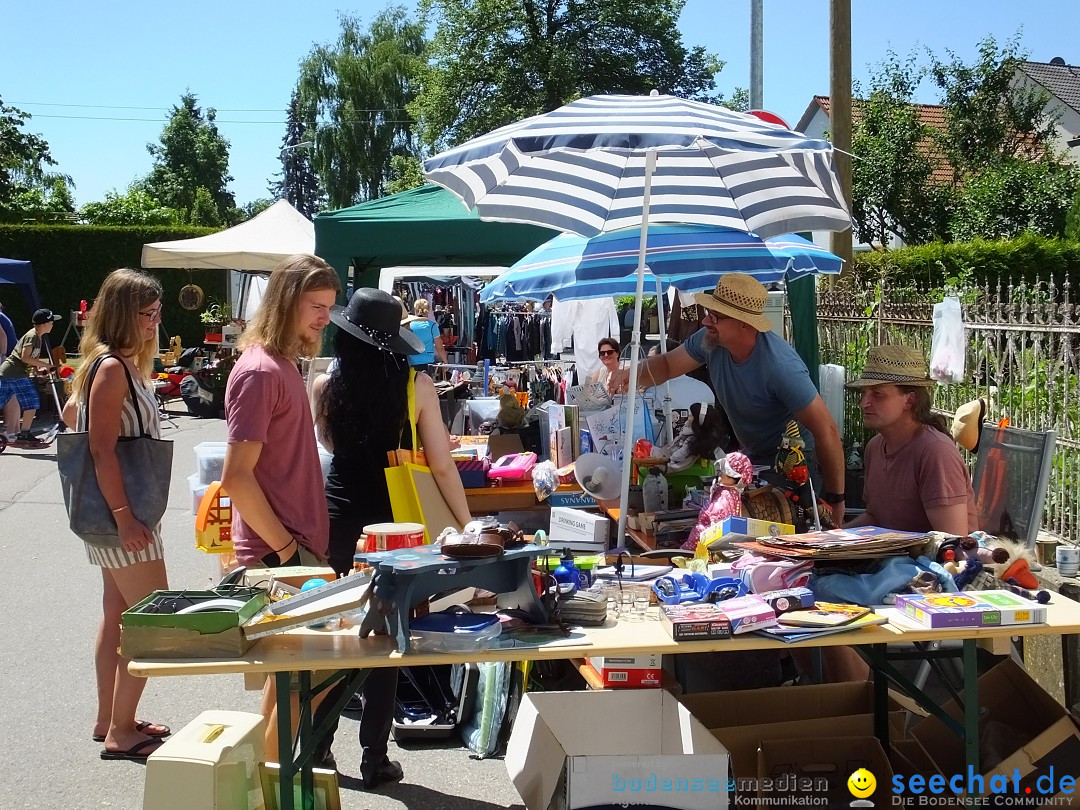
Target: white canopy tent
<point>252,247</point>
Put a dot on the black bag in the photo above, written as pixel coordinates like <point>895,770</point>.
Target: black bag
<point>432,700</point>
<point>145,468</point>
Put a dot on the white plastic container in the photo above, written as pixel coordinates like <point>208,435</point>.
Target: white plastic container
<point>210,461</point>
<point>197,492</point>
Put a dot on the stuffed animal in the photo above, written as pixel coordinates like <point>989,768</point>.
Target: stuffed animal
<point>511,414</point>
<point>734,472</point>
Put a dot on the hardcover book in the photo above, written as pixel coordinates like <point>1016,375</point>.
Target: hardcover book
<point>824,614</point>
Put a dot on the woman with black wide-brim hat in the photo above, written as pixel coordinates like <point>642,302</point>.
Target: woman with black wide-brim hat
<point>362,413</point>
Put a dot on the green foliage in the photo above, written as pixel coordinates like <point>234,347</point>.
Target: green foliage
<point>203,209</point>
<point>28,190</point>
<point>297,182</point>
<point>135,207</point>
<point>192,155</point>
<point>352,97</point>
<point>1029,257</point>
<point>406,172</point>
<point>216,313</point>
<point>493,62</point>
<point>992,173</point>
<point>71,261</point>
<point>1072,219</point>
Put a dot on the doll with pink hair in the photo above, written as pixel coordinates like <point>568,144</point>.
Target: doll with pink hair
<point>734,473</point>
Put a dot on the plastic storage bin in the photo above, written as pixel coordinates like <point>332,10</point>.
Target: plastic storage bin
<point>210,461</point>
<point>197,492</point>
<point>454,631</point>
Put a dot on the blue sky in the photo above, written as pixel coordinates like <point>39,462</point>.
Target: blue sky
<point>77,63</point>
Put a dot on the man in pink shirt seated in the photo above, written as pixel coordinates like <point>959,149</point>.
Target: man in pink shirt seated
<point>915,478</point>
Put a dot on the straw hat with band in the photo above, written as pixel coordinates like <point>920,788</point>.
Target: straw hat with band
<point>893,365</point>
<point>374,317</point>
<point>740,297</point>
<point>967,424</point>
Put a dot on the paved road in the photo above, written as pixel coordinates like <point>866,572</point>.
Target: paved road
<point>51,605</point>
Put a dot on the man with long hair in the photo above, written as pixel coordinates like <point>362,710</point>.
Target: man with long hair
<point>272,471</point>
<point>915,479</point>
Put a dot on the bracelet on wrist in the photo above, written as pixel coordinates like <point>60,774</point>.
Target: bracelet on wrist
<point>833,497</point>
<point>119,509</point>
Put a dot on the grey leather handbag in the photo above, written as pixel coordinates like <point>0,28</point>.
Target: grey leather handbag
<point>145,468</point>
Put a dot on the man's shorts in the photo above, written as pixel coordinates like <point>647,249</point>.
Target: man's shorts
<point>23,389</point>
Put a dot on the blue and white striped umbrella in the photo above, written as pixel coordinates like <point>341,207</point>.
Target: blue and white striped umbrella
<point>688,257</point>
<point>581,168</point>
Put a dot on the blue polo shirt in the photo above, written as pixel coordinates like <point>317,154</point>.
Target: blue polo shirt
<point>760,395</point>
<point>9,332</point>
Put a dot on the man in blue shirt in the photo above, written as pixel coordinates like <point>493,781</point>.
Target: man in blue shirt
<point>8,336</point>
<point>759,380</point>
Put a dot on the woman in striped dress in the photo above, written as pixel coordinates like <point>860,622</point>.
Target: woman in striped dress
<point>121,340</point>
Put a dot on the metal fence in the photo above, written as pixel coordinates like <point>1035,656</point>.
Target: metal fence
<point>1023,357</point>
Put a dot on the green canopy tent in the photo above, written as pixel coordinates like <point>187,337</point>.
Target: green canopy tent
<point>429,226</point>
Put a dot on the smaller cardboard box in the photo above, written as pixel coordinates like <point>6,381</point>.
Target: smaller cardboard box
<point>695,621</point>
<point>746,613</point>
<point>628,671</point>
<point>154,628</point>
<point>571,750</point>
<point>292,575</point>
<point>577,526</point>
<point>1036,736</point>
<point>736,524</point>
<point>819,768</point>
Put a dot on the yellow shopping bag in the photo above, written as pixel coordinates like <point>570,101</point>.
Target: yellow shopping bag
<point>415,496</point>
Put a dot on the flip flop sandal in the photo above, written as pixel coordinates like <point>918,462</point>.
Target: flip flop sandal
<point>141,727</point>
<point>137,752</point>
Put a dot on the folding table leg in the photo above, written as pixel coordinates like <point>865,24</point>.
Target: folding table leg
<point>971,706</point>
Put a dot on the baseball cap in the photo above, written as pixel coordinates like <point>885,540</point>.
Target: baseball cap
<point>44,316</point>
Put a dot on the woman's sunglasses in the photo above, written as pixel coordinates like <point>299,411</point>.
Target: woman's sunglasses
<point>606,352</point>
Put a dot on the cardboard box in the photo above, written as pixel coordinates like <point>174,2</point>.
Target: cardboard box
<point>754,527</point>
<point>293,575</point>
<point>695,621</point>
<point>741,720</point>
<point>820,768</point>
<point>628,671</point>
<point>168,634</point>
<point>746,613</point>
<point>576,526</point>
<point>572,750</point>
<point>1038,738</point>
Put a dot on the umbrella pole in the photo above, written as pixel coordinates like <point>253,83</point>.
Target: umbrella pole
<point>669,433</point>
<point>635,352</point>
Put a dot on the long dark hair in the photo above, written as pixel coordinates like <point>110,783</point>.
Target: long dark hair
<point>366,397</point>
<point>922,409</point>
<point>715,432</point>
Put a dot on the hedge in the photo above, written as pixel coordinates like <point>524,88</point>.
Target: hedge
<point>70,262</point>
<point>1029,258</point>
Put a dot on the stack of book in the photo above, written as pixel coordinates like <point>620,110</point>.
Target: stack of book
<point>837,544</point>
<point>823,619</point>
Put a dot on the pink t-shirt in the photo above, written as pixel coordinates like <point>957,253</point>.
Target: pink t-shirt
<point>927,471</point>
<point>266,401</point>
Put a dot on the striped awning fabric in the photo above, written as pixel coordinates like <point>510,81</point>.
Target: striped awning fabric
<point>581,168</point>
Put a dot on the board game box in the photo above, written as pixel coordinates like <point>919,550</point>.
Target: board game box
<point>970,609</point>
<point>695,621</point>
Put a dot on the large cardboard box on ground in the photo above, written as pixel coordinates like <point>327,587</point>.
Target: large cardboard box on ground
<point>574,750</point>
<point>742,720</point>
<point>819,768</point>
<point>1024,731</point>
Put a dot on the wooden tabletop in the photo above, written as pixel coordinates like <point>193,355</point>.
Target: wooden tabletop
<point>323,650</point>
<point>508,497</point>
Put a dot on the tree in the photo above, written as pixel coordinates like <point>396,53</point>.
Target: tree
<point>405,173</point>
<point>135,207</point>
<point>493,62</point>
<point>192,155</point>
<point>297,182</point>
<point>352,95</point>
<point>993,171</point>
<point>27,187</point>
<point>204,210</point>
<point>892,192</point>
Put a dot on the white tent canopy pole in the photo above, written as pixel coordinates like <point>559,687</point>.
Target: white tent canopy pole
<point>635,344</point>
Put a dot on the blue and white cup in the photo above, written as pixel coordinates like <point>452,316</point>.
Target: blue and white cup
<point>1068,560</point>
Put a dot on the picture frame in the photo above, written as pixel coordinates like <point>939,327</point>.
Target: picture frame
<point>327,793</point>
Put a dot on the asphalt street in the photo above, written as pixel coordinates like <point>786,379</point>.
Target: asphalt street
<point>52,609</point>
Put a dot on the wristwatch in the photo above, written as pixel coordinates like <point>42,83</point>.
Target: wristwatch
<point>833,497</point>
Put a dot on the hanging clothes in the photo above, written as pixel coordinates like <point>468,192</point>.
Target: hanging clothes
<point>584,323</point>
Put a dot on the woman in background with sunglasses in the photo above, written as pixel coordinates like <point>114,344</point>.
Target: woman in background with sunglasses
<point>608,351</point>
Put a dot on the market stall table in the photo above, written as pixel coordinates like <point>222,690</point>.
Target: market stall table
<point>510,498</point>
<point>304,651</point>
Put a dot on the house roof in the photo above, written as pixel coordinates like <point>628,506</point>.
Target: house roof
<point>929,115</point>
<point>1062,81</point>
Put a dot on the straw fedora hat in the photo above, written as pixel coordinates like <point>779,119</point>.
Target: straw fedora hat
<point>967,424</point>
<point>738,296</point>
<point>893,365</point>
